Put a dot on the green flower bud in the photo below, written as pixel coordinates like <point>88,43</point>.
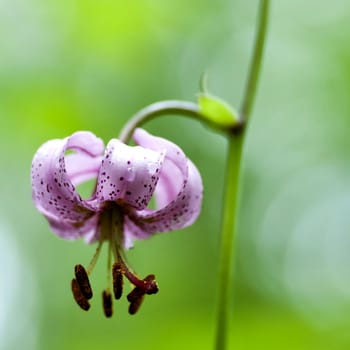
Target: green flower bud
<point>217,112</point>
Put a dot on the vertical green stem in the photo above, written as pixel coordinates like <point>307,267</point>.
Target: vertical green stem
<point>255,64</point>
<point>233,165</point>
<point>235,143</point>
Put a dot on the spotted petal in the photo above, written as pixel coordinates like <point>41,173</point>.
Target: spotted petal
<point>180,191</point>
<point>54,193</point>
<point>128,175</point>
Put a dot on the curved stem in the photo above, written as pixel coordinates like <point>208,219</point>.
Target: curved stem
<point>233,166</point>
<point>156,109</point>
<point>255,65</point>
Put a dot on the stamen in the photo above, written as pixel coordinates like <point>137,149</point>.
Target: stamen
<point>135,297</point>
<point>107,303</point>
<point>135,305</point>
<point>135,294</point>
<point>109,263</point>
<point>83,281</point>
<point>117,272</point>
<point>96,255</point>
<point>79,296</point>
<point>112,225</point>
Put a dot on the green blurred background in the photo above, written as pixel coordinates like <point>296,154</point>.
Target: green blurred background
<point>89,65</point>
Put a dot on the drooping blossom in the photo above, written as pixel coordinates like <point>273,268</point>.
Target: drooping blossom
<point>118,210</point>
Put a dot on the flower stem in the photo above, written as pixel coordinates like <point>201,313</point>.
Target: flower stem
<point>233,166</point>
<point>156,109</point>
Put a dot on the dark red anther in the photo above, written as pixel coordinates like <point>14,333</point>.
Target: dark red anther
<point>117,272</point>
<point>135,297</point>
<point>135,305</point>
<point>107,303</point>
<point>79,296</point>
<point>83,281</point>
<point>135,294</point>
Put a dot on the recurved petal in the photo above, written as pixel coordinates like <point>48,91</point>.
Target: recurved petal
<point>54,194</point>
<point>169,184</point>
<point>181,212</point>
<point>128,175</point>
<point>180,192</point>
<point>175,168</point>
<point>73,230</point>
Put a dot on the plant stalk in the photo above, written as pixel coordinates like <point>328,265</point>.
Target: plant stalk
<point>232,185</point>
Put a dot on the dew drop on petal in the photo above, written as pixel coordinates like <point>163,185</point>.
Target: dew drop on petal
<point>152,167</point>
<point>130,174</point>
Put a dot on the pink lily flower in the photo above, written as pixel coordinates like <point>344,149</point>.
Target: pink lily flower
<point>117,212</point>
